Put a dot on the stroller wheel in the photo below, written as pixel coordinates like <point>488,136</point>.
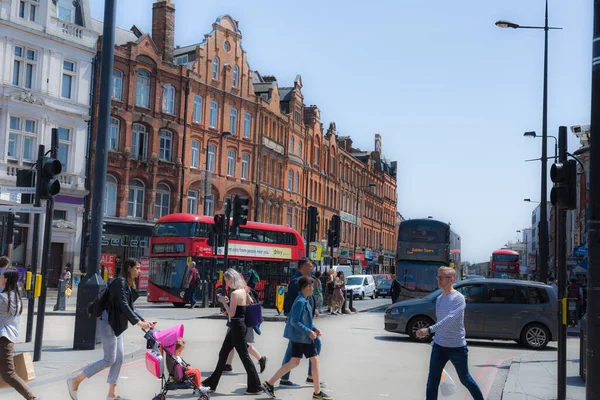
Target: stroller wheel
<point>203,397</point>
<point>159,397</point>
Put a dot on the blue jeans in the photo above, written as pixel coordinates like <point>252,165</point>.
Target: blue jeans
<point>114,351</point>
<point>459,357</point>
<point>288,357</point>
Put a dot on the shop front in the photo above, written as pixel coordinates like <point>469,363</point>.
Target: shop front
<point>122,241</point>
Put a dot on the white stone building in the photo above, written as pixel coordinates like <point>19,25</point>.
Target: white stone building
<point>47,53</point>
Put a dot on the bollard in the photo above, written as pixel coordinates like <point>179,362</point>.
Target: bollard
<point>38,286</point>
<point>60,297</point>
<point>28,278</point>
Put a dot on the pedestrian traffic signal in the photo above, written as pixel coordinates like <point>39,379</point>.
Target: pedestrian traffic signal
<point>25,178</point>
<point>48,169</point>
<point>10,228</point>
<point>240,211</point>
<point>313,224</point>
<point>564,192</point>
<point>218,229</point>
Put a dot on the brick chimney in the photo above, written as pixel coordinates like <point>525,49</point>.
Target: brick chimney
<point>163,28</point>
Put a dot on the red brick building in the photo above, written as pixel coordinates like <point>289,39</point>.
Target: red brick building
<point>243,135</point>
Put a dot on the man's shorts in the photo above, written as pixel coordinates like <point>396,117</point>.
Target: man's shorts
<point>307,350</point>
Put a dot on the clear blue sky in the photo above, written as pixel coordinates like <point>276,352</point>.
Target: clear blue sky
<point>450,93</point>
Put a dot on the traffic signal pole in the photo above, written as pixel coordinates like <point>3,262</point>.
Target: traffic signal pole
<point>35,252</point>
<point>84,337</point>
<point>561,214</point>
<point>593,292</point>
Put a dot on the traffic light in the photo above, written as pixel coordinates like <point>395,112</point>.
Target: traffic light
<point>10,228</point>
<point>218,229</point>
<point>313,224</point>
<point>48,169</point>
<point>333,239</point>
<point>564,192</point>
<point>240,211</point>
<point>25,178</point>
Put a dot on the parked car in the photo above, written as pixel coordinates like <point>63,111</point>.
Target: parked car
<point>361,286</point>
<point>475,277</point>
<point>384,288</point>
<point>526,312</point>
<point>381,277</point>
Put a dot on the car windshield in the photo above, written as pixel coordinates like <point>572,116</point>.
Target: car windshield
<point>385,282</point>
<point>354,281</point>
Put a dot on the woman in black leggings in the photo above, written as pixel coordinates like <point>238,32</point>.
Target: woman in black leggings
<point>236,337</point>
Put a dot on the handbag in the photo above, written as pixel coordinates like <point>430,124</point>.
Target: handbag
<point>447,385</point>
<point>254,315</point>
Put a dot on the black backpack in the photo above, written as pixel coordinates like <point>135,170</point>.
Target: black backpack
<point>97,307</point>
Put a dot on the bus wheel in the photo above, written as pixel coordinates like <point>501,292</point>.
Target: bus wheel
<point>179,305</point>
<point>418,323</point>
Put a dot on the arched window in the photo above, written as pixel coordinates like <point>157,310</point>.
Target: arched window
<point>230,163</point>
<point>195,153</point>
<point>117,78</point>
<point>192,202</point>
<point>214,111</point>
<point>168,104</point>
<point>297,182</point>
<point>139,142</point>
<point>110,196</point>
<point>166,144</point>
<point>236,76</point>
<point>142,89</point>
<point>290,180</point>
<point>215,72</point>
<point>114,134</point>
<point>245,165</point>
<point>163,200</point>
<point>135,204</point>
<point>291,145</point>
<point>211,151</point>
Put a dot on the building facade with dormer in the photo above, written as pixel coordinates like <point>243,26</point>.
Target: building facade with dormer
<point>47,53</point>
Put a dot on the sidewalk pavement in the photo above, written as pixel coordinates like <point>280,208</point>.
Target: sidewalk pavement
<point>533,375</point>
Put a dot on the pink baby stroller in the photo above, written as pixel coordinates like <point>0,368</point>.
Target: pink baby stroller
<point>163,342</point>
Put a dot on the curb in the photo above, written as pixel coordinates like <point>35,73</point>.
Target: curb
<point>509,392</point>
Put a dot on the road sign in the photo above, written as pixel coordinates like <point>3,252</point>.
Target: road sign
<point>22,209</point>
<point>15,189</point>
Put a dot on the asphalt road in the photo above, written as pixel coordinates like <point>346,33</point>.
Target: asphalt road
<point>359,361</point>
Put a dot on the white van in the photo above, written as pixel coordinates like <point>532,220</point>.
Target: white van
<point>361,285</point>
<point>346,269</point>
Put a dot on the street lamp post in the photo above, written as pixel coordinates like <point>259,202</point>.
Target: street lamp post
<point>544,189</point>
<point>370,185</point>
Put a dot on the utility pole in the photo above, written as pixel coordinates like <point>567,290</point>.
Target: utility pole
<point>84,337</point>
<point>593,311</point>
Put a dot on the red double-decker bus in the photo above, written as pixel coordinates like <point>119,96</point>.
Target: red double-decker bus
<point>505,264</point>
<point>178,239</point>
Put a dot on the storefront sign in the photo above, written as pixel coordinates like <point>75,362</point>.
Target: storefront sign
<point>344,216</point>
<point>108,261</point>
<point>168,248</point>
<point>244,250</point>
<point>368,255</point>
<point>122,242</point>
<point>359,256</point>
<point>144,273</point>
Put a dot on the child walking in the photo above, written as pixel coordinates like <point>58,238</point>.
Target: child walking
<point>301,331</point>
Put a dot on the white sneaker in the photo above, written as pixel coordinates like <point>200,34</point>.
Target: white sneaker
<point>72,392</point>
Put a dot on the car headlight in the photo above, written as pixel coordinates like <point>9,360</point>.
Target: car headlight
<point>395,310</point>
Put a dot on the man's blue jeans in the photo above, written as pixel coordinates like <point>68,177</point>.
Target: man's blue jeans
<point>288,357</point>
<point>459,357</point>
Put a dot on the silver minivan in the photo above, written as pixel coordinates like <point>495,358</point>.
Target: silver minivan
<point>526,312</point>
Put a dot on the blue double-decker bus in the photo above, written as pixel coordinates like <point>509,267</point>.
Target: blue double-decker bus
<point>423,246</point>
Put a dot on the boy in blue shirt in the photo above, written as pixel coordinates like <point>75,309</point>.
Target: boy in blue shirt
<point>302,333</point>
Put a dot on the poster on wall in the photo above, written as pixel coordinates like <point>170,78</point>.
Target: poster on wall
<point>108,261</point>
<point>144,273</point>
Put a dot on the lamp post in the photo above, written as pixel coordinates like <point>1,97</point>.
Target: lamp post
<point>370,185</point>
<point>544,189</point>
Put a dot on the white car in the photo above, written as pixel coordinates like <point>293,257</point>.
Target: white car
<point>361,285</point>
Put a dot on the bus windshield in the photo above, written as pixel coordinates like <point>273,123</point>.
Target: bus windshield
<point>418,277</point>
<point>506,258</point>
<point>172,229</point>
<point>423,232</point>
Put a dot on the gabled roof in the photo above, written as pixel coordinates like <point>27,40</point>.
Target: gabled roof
<point>286,93</point>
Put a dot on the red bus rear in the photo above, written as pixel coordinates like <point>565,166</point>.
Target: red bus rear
<point>178,239</point>
<point>505,264</point>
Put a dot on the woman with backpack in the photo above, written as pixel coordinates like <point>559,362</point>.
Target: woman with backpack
<point>11,307</point>
<point>118,312</point>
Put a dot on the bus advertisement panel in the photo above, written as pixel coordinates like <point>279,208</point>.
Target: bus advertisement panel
<point>272,251</point>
